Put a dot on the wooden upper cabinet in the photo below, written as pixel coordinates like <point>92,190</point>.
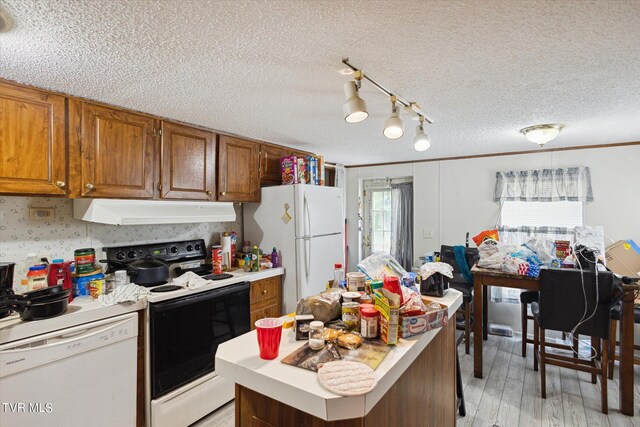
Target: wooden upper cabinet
<point>270,164</point>
<point>238,162</point>
<point>32,142</point>
<point>188,163</point>
<point>118,153</point>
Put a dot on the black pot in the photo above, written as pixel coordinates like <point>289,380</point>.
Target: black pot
<point>41,307</point>
<point>147,272</point>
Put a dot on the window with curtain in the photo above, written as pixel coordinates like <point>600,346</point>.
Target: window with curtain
<point>546,203</point>
<point>387,219</point>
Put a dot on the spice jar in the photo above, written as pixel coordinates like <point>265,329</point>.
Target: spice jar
<point>316,335</point>
<point>368,321</point>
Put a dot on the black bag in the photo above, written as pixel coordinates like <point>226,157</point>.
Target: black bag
<point>435,285</point>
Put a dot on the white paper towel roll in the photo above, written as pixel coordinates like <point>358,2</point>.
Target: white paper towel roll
<point>225,242</point>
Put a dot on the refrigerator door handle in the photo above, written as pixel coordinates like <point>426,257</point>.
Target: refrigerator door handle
<point>307,217</point>
<point>307,257</point>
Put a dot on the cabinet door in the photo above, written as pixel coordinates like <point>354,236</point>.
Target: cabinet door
<point>32,142</point>
<point>238,179</point>
<point>188,163</point>
<point>118,153</point>
<point>270,164</point>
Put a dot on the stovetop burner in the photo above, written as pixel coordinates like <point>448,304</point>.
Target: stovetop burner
<point>166,288</point>
<point>218,276</point>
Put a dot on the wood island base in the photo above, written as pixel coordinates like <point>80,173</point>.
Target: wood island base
<point>424,395</point>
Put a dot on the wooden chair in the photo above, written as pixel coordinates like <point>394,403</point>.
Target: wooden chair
<point>561,308</point>
<point>615,318</point>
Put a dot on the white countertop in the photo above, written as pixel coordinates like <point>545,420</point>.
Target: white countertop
<point>238,361</point>
<point>85,309</point>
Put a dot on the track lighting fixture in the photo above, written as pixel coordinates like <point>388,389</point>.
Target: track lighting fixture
<point>393,125</point>
<point>421,140</point>
<point>355,109</point>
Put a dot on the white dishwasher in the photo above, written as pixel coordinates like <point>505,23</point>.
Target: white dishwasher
<point>81,376</point>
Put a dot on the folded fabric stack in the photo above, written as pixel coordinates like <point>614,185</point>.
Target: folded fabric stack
<point>126,293</point>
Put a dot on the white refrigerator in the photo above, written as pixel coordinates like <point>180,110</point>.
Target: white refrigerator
<point>305,223</point>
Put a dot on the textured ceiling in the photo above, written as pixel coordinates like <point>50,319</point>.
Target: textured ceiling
<point>270,69</point>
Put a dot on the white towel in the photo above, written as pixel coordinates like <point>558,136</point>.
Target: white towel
<point>191,280</point>
<point>126,293</point>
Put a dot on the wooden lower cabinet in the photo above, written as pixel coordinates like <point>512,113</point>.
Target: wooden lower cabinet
<point>266,299</point>
<point>423,396</point>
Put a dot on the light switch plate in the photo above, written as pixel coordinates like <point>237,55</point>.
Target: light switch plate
<point>427,233</point>
<point>42,214</point>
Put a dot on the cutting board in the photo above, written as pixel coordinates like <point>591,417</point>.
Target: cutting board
<point>371,353</point>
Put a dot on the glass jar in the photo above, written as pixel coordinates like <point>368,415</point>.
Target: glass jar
<point>316,335</point>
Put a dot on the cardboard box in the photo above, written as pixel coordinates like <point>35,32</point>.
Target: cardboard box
<point>563,249</point>
<point>289,170</point>
<point>414,325</point>
<point>623,257</point>
<point>389,318</point>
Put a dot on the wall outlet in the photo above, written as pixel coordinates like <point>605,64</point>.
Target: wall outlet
<point>427,233</point>
<point>41,214</point>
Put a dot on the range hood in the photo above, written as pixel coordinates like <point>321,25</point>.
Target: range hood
<point>136,212</point>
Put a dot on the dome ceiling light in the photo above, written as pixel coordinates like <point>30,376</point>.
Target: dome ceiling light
<point>541,134</point>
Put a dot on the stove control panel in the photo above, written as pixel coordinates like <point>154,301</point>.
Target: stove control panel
<point>166,251</point>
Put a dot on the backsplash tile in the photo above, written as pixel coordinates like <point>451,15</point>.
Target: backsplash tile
<point>59,237</point>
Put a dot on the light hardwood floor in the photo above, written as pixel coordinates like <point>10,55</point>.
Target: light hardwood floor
<point>509,395</point>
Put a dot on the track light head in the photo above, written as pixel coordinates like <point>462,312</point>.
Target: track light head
<point>355,109</point>
<point>393,128</point>
<point>421,141</point>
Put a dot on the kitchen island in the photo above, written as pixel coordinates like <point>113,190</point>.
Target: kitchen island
<point>416,384</point>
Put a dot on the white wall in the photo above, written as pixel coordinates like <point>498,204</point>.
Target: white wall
<point>456,196</point>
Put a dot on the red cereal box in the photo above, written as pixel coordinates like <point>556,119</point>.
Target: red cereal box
<point>289,170</point>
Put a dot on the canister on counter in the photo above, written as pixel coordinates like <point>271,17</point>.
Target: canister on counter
<point>216,259</point>
<point>355,282</point>
<point>368,321</point>
<point>85,260</point>
<point>351,314</point>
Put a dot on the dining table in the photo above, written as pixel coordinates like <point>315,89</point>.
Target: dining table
<point>484,278</point>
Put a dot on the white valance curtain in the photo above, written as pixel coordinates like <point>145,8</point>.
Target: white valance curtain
<point>544,185</point>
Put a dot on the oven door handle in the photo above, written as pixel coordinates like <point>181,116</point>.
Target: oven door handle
<point>203,296</point>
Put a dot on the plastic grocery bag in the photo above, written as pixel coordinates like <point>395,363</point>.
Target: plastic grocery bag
<point>492,252</point>
<point>545,249</point>
<point>380,265</point>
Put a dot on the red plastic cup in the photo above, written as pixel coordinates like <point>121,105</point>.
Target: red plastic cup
<point>269,333</point>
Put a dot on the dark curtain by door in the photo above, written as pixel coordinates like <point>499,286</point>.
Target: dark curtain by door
<point>402,223</point>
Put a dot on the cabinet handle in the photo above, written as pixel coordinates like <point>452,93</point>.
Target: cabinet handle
<point>61,184</point>
<point>208,192</point>
<point>223,193</point>
<point>89,186</point>
<point>264,292</point>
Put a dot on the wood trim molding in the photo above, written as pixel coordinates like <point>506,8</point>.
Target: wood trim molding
<point>510,153</point>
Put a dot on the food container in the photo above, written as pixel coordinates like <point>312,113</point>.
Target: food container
<point>37,277</point>
<point>82,284</point>
<point>120,277</point>
<point>216,259</point>
<point>316,335</point>
<point>366,299</point>
<point>389,318</point>
<point>303,325</point>
<point>85,260</point>
<point>355,282</point>
<point>368,321</point>
<point>351,297</point>
<point>414,325</point>
<point>288,170</point>
<point>351,314</point>
<point>97,286</point>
